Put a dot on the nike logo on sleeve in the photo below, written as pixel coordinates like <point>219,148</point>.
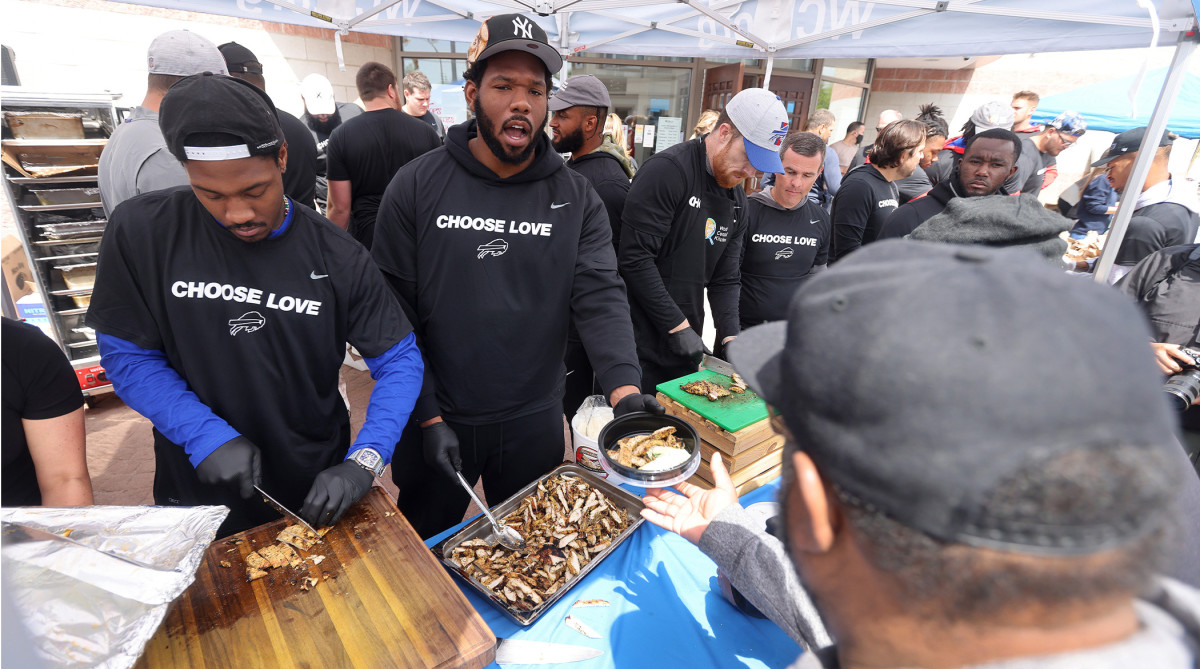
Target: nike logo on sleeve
<point>313,275</point>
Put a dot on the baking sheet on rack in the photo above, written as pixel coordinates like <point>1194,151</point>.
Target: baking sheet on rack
<point>81,616</point>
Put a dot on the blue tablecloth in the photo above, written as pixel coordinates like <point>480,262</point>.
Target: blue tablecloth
<point>667,610</point>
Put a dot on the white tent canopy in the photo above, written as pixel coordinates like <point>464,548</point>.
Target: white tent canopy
<point>752,28</point>
<point>785,29</point>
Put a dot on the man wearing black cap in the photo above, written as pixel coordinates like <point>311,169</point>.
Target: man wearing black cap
<point>951,497</point>
<point>227,327</point>
<point>578,111</point>
<point>366,151</point>
<point>1167,213</point>
<point>495,249</point>
<point>687,231</point>
<point>300,173</point>
<point>990,157</point>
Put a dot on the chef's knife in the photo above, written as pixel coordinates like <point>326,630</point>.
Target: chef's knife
<point>716,365</point>
<point>21,533</point>
<point>283,509</point>
<point>519,651</point>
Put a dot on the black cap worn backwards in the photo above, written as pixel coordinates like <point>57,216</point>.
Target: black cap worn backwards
<point>920,376</point>
<point>513,32</point>
<point>216,109</point>
<point>1128,142</point>
<point>239,59</point>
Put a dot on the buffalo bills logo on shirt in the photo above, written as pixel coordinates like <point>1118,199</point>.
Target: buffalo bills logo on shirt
<point>496,247</point>
<point>778,135</point>
<point>248,322</point>
<point>785,252</point>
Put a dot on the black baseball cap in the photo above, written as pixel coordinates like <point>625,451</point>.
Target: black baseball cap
<point>221,107</point>
<point>239,59</point>
<point>919,376</point>
<point>1128,142</point>
<point>513,32</point>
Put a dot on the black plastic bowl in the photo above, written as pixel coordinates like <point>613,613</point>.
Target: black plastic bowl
<point>633,424</point>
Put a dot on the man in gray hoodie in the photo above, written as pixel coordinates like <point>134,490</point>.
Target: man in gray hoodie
<point>964,485</point>
<point>787,234</point>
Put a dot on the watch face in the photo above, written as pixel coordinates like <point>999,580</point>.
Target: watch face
<point>369,459</point>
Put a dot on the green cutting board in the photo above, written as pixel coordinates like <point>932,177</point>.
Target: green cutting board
<point>729,413</point>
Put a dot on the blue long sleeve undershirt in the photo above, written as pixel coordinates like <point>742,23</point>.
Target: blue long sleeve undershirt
<point>145,380</point>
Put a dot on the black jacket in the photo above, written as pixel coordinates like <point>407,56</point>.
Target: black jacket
<point>860,208</point>
<point>1157,226</point>
<point>492,271</point>
<point>606,175</point>
<point>681,233</point>
<point>906,219</point>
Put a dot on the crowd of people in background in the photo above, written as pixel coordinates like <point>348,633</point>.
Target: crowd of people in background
<point>495,273</point>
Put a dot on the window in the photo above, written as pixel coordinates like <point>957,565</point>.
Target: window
<point>845,101</point>
<point>850,69</point>
<point>426,45</point>
<point>642,95</point>
<point>439,70</point>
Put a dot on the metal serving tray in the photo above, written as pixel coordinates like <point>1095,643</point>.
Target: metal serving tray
<point>480,528</point>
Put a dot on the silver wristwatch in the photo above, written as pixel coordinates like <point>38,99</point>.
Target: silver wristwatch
<point>370,460</point>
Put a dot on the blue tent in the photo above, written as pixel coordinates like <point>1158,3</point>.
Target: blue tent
<point>1106,105</point>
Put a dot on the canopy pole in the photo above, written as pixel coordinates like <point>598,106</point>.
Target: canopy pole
<point>767,75</point>
<point>1141,164</point>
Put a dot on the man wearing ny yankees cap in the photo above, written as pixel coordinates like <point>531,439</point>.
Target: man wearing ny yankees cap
<point>685,234</point>
<point>495,248</point>
<point>222,313</point>
<point>964,484</point>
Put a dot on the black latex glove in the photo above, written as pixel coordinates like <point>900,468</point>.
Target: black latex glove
<point>237,462</point>
<point>440,445</point>
<point>687,343</point>
<point>334,490</point>
<point>638,402</point>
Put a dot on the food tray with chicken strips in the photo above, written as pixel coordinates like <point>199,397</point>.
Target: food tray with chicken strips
<point>570,520</point>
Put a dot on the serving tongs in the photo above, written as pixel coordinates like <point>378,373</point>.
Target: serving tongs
<point>507,536</point>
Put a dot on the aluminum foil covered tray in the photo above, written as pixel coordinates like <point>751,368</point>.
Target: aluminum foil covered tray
<point>94,594</point>
<point>578,519</point>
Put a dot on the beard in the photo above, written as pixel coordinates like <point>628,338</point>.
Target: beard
<point>569,143</point>
<point>725,178</point>
<point>488,128</point>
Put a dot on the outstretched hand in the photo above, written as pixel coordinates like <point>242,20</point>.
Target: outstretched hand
<point>689,514</point>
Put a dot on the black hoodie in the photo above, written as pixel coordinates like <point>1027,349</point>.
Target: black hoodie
<point>860,208</point>
<point>783,247</point>
<point>906,219</point>
<point>491,271</point>
<point>603,170</point>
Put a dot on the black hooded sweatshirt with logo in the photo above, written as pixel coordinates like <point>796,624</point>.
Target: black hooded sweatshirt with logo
<point>860,209</point>
<point>782,246</point>
<point>603,170</point>
<point>681,233</point>
<point>492,271</point>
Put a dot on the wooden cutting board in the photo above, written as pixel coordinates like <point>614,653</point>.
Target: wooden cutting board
<point>731,413</point>
<point>381,600</point>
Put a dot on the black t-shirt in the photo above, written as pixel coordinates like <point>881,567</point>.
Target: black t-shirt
<point>300,179</point>
<point>435,123</point>
<point>493,270</point>
<point>258,330</point>
<point>367,151</point>
<point>39,383</point>
<point>860,209</point>
<point>781,247</point>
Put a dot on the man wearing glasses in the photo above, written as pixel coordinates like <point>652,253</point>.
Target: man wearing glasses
<point>1058,136</point>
